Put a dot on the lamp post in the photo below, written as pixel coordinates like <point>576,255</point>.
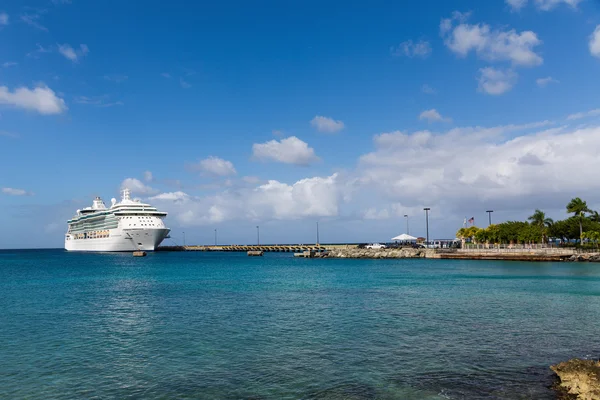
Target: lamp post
<point>257,235</point>
<point>427,224</point>
<point>317,233</point>
<point>215,237</point>
<point>183,239</point>
<point>406,216</point>
<point>489,216</point>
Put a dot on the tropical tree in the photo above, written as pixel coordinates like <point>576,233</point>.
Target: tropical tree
<point>539,220</point>
<point>594,216</point>
<point>592,236</point>
<point>579,208</point>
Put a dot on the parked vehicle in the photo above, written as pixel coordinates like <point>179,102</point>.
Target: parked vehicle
<point>376,246</point>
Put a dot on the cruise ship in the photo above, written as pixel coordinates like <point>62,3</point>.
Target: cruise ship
<point>129,225</point>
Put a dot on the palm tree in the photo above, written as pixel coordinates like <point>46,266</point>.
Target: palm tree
<point>540,220</point>
<point>578,207</point>
<point>594,216</point>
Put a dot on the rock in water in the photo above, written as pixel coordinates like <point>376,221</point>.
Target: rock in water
<point>579,379</point>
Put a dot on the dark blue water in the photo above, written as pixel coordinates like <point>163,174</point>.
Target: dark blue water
<point>228,326</point>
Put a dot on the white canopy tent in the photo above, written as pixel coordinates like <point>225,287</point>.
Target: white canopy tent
<point>404,238</point>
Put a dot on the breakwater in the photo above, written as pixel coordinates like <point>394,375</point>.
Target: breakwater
<point>543,254</point>
<point>352,251</point>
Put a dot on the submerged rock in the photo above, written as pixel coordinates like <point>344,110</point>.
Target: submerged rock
<point>578,379</point>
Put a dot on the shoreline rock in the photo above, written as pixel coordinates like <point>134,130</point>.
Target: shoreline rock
<point>378,254</point>
<point>578,379</point>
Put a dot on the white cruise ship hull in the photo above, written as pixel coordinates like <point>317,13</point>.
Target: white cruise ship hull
<point>120,240</point>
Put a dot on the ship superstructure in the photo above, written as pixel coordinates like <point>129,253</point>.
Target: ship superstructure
<point>128,225</point>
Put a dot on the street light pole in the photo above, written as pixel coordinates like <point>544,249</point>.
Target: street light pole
<point>489,216</point>
<point>257,235</point>
<point>407,232</point>
<point>427,224</point>
<point>317,233</point>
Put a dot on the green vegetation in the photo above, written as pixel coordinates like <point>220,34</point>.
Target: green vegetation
<point>583,225</point>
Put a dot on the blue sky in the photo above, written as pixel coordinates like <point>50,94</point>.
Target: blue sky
<point>230,115</point>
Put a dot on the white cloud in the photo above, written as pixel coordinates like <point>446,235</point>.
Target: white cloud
<point>478,165</point>
<point>496,81</point>
<point>580,115</point>
<point>3,18</point>
<point>411,49</point>
<point>310,197</point>
<point>39,50</point>
<point>488,44</point>
<point>290,150</point>
<point>215,166</point>
<point>428,89</point>
<point>137,187</point>
<point>166,75</point>
<point>184,84</point>
<point>32,20</point>
<point>543,82</point>
<point>9,64</point>
<point>547,5</point>
<point>71,53</point>
<point>41,99</point>
<point>433,116</point>
<point>595,42</point>
<point>326,124</point>
<point>544,5</point>
<point>148,177</point>
<point>15,192</point>
<point>98,101</point>
<point>178,196</point>
<point>516,5</point>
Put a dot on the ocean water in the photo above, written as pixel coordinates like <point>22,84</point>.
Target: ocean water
<point>228,326</point>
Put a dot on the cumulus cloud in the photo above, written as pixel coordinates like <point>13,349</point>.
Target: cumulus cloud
<point>137,187</point>
<point>73,54</point>
<point>290,150</point>
<point>543,82</point>
<point>326,124</point>
<point>412,49</point>
<point>41,99</point>
<point>433,116</point>
<point>595,42</point>
<point>544,5</point>
<point>586,114</point>
<point>3,18</point>
<point>15,192</point>
<point>310,197</point>
<point>476,164</point>
<point>496,81</point>
<point>178,196</point>
<point>215,166</point>
<point>489,44</point>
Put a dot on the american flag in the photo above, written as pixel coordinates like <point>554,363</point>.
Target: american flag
<point>472,220</point>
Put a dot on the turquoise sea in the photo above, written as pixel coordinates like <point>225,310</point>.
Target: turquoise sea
<point>227,326</point>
